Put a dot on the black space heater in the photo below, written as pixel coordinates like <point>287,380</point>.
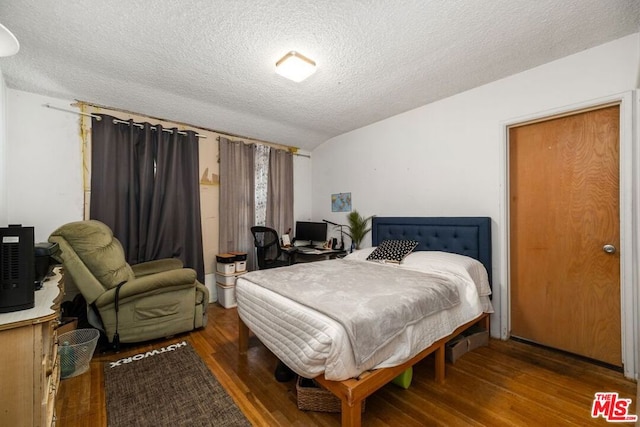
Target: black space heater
<point>17,268</point>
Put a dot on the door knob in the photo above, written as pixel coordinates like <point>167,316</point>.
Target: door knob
<point>610,249</point>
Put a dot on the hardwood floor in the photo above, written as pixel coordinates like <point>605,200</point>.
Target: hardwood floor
<point>505,384</point>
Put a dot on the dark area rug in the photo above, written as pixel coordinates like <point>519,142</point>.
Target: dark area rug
<point>167,386</point>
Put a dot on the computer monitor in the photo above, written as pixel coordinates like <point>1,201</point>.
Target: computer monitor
<point>307,231</point>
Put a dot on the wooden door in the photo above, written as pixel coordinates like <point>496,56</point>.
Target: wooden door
<point>564,209</point>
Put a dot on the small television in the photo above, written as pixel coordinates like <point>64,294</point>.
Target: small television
<point>17,268</point>
<point>310,232</point>
<point>24,265</point>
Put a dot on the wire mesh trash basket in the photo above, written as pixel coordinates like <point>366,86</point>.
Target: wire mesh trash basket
<point>75,349</point>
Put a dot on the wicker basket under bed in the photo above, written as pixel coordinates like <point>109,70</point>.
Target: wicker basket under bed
<point>313,397</point>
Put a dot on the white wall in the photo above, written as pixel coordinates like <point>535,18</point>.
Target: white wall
<point>447,158</point>
<point>4,211</point>
<point>43,163</point>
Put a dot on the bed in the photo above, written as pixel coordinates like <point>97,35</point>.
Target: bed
<point>290,309</point>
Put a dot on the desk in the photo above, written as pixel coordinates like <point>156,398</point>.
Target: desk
<point>29,363</point>
<point>298,256</point>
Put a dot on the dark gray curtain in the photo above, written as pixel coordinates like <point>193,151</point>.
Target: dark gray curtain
<point>237,198</point>
<point>280,193</point>
<point>145,186</point>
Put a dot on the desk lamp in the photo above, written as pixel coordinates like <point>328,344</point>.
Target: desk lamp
<point>341,248</point>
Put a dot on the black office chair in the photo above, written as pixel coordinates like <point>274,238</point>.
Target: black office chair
<point>268,251</point>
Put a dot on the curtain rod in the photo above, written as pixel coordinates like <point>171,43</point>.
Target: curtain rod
<point>97,117</point>
<point>141,126</point>
<point>225,134</point>
<point>293,150</point>
<point>82,113</point>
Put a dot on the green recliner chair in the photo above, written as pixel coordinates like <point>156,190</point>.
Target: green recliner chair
<point>158,298</point>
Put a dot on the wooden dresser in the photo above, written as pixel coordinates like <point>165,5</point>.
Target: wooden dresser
<point>29,365</point>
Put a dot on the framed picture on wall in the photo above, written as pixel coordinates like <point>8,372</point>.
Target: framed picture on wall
<point>341,202</point>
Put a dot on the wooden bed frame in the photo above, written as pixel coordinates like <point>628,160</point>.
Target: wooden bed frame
<point>353,391</point>
<point>469,236</point>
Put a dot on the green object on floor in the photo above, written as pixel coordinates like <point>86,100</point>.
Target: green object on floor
<point>404,379</point>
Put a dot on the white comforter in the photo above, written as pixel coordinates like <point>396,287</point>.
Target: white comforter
<point>312,343</point>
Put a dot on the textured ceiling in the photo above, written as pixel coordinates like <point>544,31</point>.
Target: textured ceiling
<point>210,63</point>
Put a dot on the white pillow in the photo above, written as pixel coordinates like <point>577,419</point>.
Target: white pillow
<point>360,254</point>
<point>449,262</point>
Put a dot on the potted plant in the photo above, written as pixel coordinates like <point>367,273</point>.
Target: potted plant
<point>358,228</point>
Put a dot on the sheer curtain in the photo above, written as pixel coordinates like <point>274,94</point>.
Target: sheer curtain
<point>237,198</point>
<point>256,188</point>
<point>280,194</point>
<point>145,187</point>
<point>261,183</point>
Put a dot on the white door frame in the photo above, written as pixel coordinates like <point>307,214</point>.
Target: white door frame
<point>629,220</point>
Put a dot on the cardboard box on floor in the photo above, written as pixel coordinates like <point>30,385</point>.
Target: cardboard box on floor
<point>470,339</point>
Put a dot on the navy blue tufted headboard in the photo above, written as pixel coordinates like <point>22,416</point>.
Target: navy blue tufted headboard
<point>470,236</point>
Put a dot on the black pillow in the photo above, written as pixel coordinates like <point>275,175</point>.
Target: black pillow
<point>392,250</point>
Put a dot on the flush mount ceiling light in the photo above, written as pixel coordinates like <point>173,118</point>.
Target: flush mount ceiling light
<point>295,66</point>
<point>8,42</point>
